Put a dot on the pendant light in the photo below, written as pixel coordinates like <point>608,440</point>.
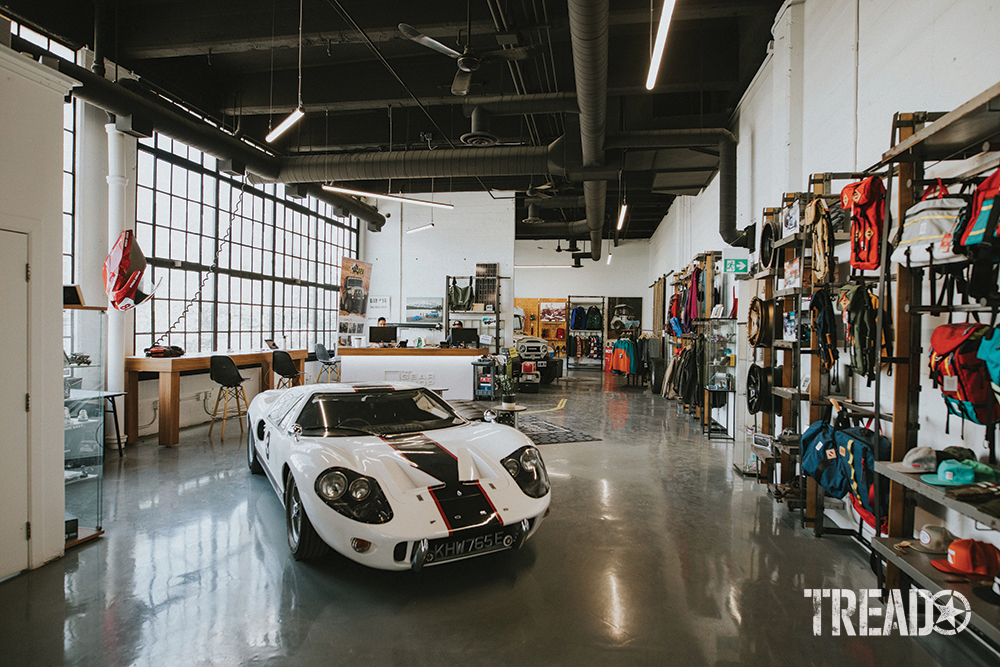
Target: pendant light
<point>296,115</point>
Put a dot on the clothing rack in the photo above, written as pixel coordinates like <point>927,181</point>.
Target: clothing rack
<point>591,329</point>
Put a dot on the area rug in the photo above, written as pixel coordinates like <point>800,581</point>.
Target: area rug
<point>542,432</point>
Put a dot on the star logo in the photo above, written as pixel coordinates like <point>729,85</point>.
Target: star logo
<point>953,612</point>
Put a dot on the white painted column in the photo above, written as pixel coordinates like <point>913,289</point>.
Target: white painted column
<point>117,185</point>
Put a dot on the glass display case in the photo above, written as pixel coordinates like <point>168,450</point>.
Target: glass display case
<point>84,399</point>
<point>720,335</point>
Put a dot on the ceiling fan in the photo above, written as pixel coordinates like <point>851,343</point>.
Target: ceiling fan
<point>468,60</point>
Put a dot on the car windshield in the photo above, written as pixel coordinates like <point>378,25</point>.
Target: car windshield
<point>377,413</point>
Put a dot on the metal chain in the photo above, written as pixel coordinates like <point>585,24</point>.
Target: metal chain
<point>223,240</point>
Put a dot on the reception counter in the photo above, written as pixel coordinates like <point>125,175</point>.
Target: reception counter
<point>430,367</point>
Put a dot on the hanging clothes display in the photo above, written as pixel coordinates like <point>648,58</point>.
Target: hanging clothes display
<point>595,319</point>
<point>578,318</point>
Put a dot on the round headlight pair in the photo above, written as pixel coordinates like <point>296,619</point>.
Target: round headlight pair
<point>512,467</point>
<point>360,488</point>
<point>332,484</point>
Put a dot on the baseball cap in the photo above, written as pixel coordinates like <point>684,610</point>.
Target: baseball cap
<point>971,558</point>
<point>918,459</point>
<point>934,540</point>
<point>984,473</point>
<point>957,453</point>
<point>951,473</point>
<point>991,595</point>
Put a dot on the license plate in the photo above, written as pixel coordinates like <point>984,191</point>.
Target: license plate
<point>450,548</point>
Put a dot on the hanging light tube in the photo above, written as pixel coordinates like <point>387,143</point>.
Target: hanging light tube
<point>420,228</point>
<point>405,200</point>
<point>621,216</point>
<point>609,259</point>
<point>661,40</point>
<point>292,119</point>
<point>542,266</point>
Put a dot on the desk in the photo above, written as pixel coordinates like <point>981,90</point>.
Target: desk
<point>431,367</point>
<point>169,371</point>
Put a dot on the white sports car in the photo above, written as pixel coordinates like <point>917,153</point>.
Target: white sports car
<point>391,476</point>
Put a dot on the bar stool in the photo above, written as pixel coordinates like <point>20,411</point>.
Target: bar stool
<point>330,364</point>
<point>223,371</point>
<point>283,365</point>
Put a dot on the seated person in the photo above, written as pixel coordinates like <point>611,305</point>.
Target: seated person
<point>456,324</point>
<point>381,322</point>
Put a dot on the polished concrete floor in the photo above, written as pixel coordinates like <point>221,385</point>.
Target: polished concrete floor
<point>655,553</point>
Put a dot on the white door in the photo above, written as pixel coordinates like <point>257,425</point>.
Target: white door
<point>13,415</point>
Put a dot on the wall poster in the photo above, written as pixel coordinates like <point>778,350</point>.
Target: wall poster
<point>355,277</point>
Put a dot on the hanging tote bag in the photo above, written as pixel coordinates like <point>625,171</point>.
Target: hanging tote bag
<point>460,298</point>
<point>928,227</point>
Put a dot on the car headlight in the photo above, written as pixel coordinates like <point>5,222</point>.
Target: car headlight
<point>528,470</point>
<point>331,485</point>
<point>354,495</point>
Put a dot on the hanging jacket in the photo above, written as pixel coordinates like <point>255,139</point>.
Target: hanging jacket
<point>578,320</point>
<point>594,319</point>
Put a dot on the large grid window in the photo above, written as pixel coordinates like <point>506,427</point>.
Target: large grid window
<point>277,271</point>
<point>69,152</point>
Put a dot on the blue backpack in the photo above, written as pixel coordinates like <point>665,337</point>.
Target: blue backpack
<point>820,459</point>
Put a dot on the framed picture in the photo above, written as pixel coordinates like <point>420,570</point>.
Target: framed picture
<point>552,311</point>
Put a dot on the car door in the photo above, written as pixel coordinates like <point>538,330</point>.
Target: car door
<point>272,434</point>
<point>282,438</point>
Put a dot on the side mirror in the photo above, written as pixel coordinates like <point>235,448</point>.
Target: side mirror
<point>297,431</point>
<point>489,416</point>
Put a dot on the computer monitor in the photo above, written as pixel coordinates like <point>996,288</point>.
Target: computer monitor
<point>381,334</point>
<point>467,336</point>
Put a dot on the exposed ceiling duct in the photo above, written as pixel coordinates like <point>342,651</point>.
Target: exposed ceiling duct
<point>726,142</point>
<point>480,134</point>
<point>533,217</point>
<point>439,163</point>
<point>588,25</point>
<point>516,105</point>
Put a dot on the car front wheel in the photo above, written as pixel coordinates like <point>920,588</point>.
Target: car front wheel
<point>302,538</point>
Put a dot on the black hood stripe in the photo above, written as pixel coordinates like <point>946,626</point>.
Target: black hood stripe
<point>461,504</point>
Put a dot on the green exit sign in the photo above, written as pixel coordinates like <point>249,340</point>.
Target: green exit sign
<point>736,266</point>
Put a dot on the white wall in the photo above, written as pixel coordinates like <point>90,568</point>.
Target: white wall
<point>480,229</point>
<point>31,106</point>
<point>626,276</point>
<point>823,101</point>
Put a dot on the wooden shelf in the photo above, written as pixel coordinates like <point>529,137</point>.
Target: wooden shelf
<point>798,237</point>
<point>789,393</point>
<point>956,135</point>
<point>765,274</point>
<point>791,291</point>
<point>937,494</point>
<point>985,616</point>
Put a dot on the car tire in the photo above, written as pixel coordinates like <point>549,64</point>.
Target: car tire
<point>252,461</point>
<point>303,541</point>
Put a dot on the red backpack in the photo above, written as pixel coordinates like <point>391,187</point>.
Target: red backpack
<point>675,306</point>
<point>865,200</point>
<point>961,375</point>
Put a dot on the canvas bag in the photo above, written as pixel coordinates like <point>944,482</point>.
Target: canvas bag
<point>989,353</point>
<point>961,375</point>
<point>821,229</point>
<point>459,298</point>
<point>855,448</point>
<point>820,460</point>
<point>824,324</point>
<point>866,202</point>
<point>979,226</point>
<point>928,227</point>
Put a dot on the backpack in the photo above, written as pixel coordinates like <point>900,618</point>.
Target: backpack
<point>824,324</point>
<point>819,223</point>
<point>866,202</point>
<point>928,228</point>
<point>675,306</point>
<point>962,377</point>
<point>855,448</point>
<point>978,224</point>
<point>820,460</point>
<point>859,309</point>
<point>594,319</point>
<point>989,353</point>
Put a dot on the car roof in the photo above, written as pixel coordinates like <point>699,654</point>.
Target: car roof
<point>358,387</point>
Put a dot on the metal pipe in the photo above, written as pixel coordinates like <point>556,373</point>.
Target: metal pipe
<point>588,24</point>
<point>516,105</point>
<point>695,138</point>
<point>481,162</point>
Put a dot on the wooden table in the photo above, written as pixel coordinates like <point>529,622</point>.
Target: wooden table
<point>169,370</point>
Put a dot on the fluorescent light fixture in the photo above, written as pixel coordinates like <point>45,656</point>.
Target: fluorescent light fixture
<point>292,119</point>
<point>609,259</point>
<point>661,40</point>
<point>420,228</point>
<point>405,200</point>
<point>543,266</point>
<point>621,216</point>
